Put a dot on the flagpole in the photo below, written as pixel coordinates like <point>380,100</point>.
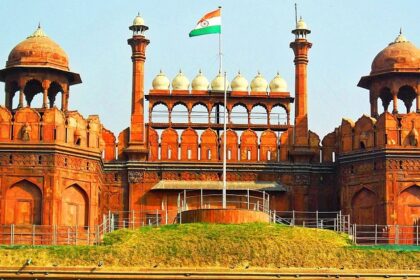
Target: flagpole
<point>224,142</point>
<point>224,116</point>
<point>220,46</point>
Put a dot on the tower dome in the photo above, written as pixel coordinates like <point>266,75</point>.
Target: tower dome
<point>259,84</point>
<point>180,82</point>
<point>239,83</point>
<point>278,84</point>
<point>38,50</point>
<point>218,83</point>
<point>200,82</point>
<point>161,82</point>
<point>399,56</point>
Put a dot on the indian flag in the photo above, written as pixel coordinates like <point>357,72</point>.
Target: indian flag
<point>211,23</point>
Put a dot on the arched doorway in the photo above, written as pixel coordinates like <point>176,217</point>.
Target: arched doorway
<point>74,207</point>
<point>363,207</point>
<point>408,214</point>
<point>23,204</point>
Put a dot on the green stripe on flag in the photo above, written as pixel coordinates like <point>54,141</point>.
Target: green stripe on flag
<point>206,30</point>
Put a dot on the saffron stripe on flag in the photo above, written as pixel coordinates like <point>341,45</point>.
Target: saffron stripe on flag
<point>207,30</point>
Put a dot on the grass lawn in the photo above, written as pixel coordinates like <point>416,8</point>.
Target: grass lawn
<point>256,246</point>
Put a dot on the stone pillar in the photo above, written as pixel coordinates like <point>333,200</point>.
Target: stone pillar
<point>395,104</point>
<point>7,100</point>
<point>65,100</point>
<point>45,87</point>
<point>21,96</point>
<point>373,106</point>
<point>418,103</point>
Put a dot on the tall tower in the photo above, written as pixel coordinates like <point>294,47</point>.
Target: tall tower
<point>301,48</point>
<point>137,148</point>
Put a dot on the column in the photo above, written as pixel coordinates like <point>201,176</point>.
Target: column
<point>373,106</point>
<point>395,104</point>
<point>45,98</point>
<point>21,95</point>
<point>7,100</point>
<point>65,100</point>
<point>418,103</point>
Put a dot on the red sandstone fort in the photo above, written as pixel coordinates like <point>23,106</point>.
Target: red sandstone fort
<point>61,168</point>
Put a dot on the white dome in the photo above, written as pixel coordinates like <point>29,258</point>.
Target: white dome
<point>259,84</point>
<point>239,83</point>
<point>138,20</point>
<point>301,24</point>
<point>218,83</point>
<point>200,82</point>
<point>278,84</point>
<point>161,81</point>
<point>180,82</point>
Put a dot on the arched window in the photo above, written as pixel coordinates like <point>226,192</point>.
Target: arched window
<point>179,114</point>
<point>160,113</point>
<point>239,114</point>
<point>199,114</point>
<point>258,115</point>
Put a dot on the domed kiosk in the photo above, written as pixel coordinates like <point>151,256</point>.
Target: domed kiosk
<point>394,75</point>
<point>38,65</point>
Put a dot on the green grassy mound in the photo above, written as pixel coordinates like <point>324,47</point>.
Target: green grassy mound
<point>222,246</point>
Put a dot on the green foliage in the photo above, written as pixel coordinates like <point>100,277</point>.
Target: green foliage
<point>224,246</point>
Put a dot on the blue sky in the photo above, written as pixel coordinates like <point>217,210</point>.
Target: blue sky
<point>346,36</point>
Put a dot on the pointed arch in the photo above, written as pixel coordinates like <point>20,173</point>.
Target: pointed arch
<point>268,146</point>
<point>231,145</point>
<point>189,144</point>
<point>249,146</point>
<point>209,145</point>
<point>363,206</point>
<point>169,145</point>
<point>23,204</point>
<point>74,206</point>
<point>153,144</point>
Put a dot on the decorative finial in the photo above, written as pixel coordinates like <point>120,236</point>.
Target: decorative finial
<point>259,74</point>
<point>199,71</point>
<point>278,73</point>
<point>138,13</point>
<point>400,30</point>
<point>180,71</point>
<point>39,24</point>
<point>239,72</point>
<point>160,71</point>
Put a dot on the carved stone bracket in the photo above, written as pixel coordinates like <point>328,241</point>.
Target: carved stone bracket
<point>135,176</point>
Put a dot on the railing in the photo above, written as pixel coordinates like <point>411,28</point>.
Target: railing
<point>51,235</point>
<point>386,234</point>
<point>197,199</point>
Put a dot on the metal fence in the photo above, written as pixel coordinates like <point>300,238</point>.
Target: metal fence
<point>51,234</point>
<point>248,199</point>
<point>386,234</point>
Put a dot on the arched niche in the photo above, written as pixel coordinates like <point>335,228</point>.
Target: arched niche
<point>23,204</point>
<point>363,206</point>
<point>231,145</point>
<point>408,214</point>
<point>268,146</point>
<point>209,145</point>
<point>216,113</point>
<point>153,144</point>
<point>249,146</point>
<point>409,206</point>
<point>75,206</point>
<point>169,145</point>
<point>189,144</point>
<point>385,96</point>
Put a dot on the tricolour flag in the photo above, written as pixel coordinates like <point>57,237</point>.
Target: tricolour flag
<point>211,23</point>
